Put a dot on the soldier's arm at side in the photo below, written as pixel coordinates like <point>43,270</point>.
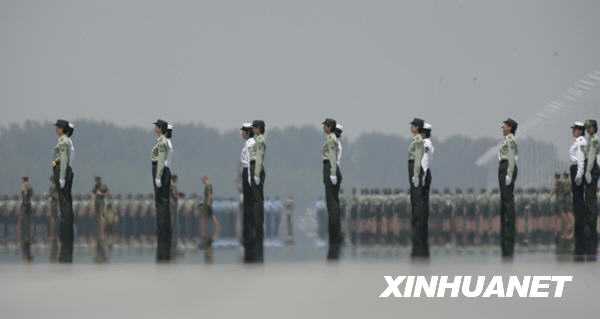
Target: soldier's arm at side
<point>592,150</point>
<point>162,158</point>
<point>63,157</point>
<point>512,155</point>
<point>331,155</point>
<point>258,162</point>
<point>419,151</point>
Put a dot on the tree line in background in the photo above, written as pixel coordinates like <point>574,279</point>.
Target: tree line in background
<point>121,155</point>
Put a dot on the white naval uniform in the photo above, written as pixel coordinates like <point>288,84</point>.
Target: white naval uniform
<point>428,155</point>
<point>577,155</point>
<point>169,160</point>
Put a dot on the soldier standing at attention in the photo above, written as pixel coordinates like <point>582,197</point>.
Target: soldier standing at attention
<point>63,179</point>
<point>330,179</point>
<point>161,175</point>
<point>53,220</point>
<point>416,151</point>
<point>426,165</point>
<point>577,168</point>
<point>25,219</point>
<point>339,129</point>
<point>257,170</point>
<point>592,172</point>
<point>207,214</point>
<point>507,175</point>
<point>248,222</point>
<point>99,193</point>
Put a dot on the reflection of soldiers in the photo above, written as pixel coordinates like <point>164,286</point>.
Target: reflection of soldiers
<point>207,213</point>
<point>99,194</point>
<point>25,219</point>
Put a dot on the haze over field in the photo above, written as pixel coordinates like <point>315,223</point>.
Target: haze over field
<point>463,65</point>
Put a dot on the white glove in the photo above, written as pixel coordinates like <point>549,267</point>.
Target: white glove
<point>415,181</point>
<point>508,180</point>
<point>157,182</point>
<point>333,179</point>
<point>588,177</point>
<point>578,180</point>
<point>257,180</point>
<point>61,182</point>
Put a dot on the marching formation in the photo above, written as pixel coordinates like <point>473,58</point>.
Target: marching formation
<point>364,217</point>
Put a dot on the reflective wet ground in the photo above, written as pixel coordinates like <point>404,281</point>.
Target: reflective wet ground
<point>295,282</point>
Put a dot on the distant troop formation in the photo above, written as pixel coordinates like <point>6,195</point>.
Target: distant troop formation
<point>460,220</point>
<point>104,220</point>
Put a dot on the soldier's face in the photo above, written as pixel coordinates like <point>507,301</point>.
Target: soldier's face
<point>414,130</point>
<point>577,132</point>
<point>59,131</point>
<point>326,129</point>
<point>505,129</point>
<point>591,130</point>
<point>157,131</point>
<point>244,134</point>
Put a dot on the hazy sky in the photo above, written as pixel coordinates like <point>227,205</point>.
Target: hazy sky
<point>462,65</point>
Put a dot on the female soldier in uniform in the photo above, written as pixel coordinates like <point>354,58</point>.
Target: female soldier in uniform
<point>331,179</point>
<point>63,179</point>
<point>507,175</point>
<point>577,158</point>
<point>257,182</point>
<point>248,228</point>
<point>161,176</point>
<point>416,150</point>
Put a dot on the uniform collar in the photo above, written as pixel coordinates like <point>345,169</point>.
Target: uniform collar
<point>509,136</point>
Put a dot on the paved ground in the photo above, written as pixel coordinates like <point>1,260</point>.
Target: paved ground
<point>135,287</point>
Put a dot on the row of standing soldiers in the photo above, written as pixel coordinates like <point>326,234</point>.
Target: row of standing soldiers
<point>459,219</point>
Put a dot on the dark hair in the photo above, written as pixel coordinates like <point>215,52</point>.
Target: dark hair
<point>427,133</point>
<point>248,131</point>
<point>69,131</point>
<point>337,133</point>
<point>169,133</point>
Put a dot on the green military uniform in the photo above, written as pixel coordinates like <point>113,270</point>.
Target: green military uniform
<point>257,172</point>
<point>592,173</point>
<point>25,220</point>
<point>420,246</point>
<point>162,173</point>
<point>63,179</point>
<point>507,175</point>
